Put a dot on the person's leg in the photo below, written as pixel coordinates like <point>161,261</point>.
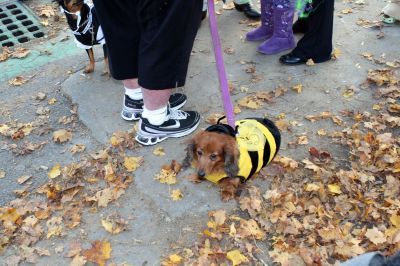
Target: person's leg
<point>265,30</point>
<point>121,30</point>
<point>163,65</point>
<point>282,38</point>
<point>316,43</point>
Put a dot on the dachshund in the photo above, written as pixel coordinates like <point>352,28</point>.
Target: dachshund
<point>82,20</point>
<point>228,156</point>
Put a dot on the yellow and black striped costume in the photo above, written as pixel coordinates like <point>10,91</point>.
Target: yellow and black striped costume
<point>258,142</point>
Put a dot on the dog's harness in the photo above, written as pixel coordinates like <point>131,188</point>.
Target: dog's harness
<point>257,147</point>
<point>87,37</point>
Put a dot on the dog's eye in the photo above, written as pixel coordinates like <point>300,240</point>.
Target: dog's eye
<point>199,153</point>
<point>213,157</point>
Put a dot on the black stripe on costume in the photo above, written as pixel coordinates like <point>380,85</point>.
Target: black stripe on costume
<point>254,162</point>
<point>267,153</point>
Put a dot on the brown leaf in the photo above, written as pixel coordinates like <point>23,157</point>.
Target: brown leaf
<point>99,253</point>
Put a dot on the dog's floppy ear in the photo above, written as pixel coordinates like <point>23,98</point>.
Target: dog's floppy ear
<point>190,149</point>
<point>231,154</point>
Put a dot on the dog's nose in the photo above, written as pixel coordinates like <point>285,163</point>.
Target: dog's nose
<point>201,173</point>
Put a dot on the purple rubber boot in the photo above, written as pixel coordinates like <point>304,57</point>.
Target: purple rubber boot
<point>282,38</point>
<point>265,30</point>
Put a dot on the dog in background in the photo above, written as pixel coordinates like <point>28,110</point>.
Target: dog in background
<point>229,157</point>
<point>82,20</point>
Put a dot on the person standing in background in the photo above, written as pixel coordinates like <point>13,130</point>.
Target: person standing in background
<point>317,26</point>
<point>276,27</point>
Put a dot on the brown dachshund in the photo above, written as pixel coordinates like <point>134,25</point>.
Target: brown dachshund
<point>230,157</point>
<point>85,26</point>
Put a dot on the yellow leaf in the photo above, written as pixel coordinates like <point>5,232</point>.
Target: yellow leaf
<point>334,189</point>
<point>9,215</point>
<point>395,219</point>
<point>321,132</point>
<point>166,177</point>
<point>312,187</point>
<point>237,109</point>
<point>159,151</point>
<point>55,171</point>
<point>376,107</point>
<point>2,174</point>
<point>236,257</point>
<point>62,135</point>
<point>175,258</point>
<point>107,225</point>
<point>336,53</point>
<point>111,226</point>
<point>132,163</point>
<point>52,101</point>
<point>176,195</point>
<point>298,88</point>
<point>349,92</point>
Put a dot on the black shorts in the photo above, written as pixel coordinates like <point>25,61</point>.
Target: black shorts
<point>150,39</point>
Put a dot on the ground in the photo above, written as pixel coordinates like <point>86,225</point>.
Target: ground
<point>59,212</point>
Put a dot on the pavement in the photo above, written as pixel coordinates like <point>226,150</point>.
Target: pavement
<point>157,224</point>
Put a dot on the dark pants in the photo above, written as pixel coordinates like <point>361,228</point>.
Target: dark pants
<point>150,39</point>
<point>317,41</point>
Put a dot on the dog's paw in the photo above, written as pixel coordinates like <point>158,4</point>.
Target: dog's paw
<point>227,195</point>
<point>194,178</point>
<point>88,69</point>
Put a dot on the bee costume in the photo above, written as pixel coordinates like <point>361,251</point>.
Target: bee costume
<point>258,142</point>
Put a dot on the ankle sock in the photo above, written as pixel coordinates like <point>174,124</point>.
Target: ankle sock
<point>134,94</point>
<point>155,117</point>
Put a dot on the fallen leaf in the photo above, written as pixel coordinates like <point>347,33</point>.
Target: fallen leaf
<point>302,140</point>
<point>23,179</point>
<point>336,53</point>
<point>99,253</point>
<point>78,260</point>
<point>166,177</point>
<point>2,174</point>
<point>52,101</point>
<point>77,148</point>
<point>61,136</point>
<point>395,220</point>
<point>236,257</point>
<point>298,88</point>
<point>159,151</point>
<point>55,171</point>
<point>375,236</point>
<point>20,52</point>
<point>172,260</point>
<point>334,189</point>
<point>17,81</point>
<point>310,62</point>
<point>176,195</point>
<point>132,163</point>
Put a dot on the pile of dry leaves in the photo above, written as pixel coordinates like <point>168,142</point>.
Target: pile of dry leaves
<point>319,211</point>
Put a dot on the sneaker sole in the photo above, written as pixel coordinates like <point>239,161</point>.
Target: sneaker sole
<point>137,114</point>
<point>161,137</point>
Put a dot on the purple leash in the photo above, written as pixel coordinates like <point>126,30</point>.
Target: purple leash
<point>223,81</point>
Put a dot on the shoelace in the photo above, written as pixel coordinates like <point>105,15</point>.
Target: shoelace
<point>177,114</point>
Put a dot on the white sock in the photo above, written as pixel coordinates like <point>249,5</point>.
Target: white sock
<point>155,117</point>
<point>134,94</point>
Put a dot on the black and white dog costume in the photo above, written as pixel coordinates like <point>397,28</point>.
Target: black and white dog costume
<point>86,28</point>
